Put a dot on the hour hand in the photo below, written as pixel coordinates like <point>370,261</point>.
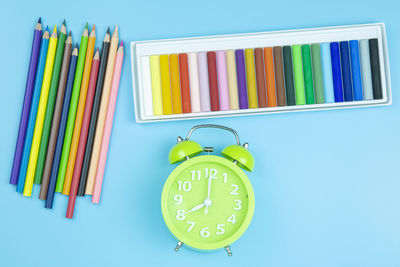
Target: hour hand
<point>195,208</point>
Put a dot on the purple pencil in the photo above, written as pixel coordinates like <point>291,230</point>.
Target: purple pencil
<point>241,78</point>
<point>37,36</point>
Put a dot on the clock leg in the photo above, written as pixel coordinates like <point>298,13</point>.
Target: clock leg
<point>228,250</point>
<point>178,246</point>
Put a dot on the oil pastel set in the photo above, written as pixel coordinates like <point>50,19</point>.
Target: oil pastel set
<point>67,115</point>
<point>258,73</point>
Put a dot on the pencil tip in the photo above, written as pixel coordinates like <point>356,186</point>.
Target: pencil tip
<point>122,43</point>
<point>47,28</point>
<point>69,34</point>
<point>40,20</point>
<point>64,23</point>
<point>116,28</point>
<point>94,27</point>
<point>87,25</point>
<point>55,28</point>
<point>108,30</point>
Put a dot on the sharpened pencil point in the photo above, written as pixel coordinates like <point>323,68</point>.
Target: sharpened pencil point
<point>94,27</point>
<point>55,28</point>
<point>40,20</point>
<point>87,25</point>
<point>116,28</point>
<point>47,28</point>
<point>64,23</point>
<point>122,43</point>
<point>108,30</point>
<point>69,34</point>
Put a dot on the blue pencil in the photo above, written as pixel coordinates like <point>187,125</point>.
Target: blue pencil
<point>336,72</point>
<point>49,192</point>
<point>346,73</point>
<point>356,70</point>
<point>32,113</point>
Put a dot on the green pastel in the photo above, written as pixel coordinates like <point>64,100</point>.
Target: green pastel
<point>298,75</point>
<point>308,75</point>
<point>317,73</point>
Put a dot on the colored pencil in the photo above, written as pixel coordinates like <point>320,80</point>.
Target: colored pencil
<point>102,112</point>
<point>308,74</point>
<point>34,105</point>
<point>213,80</point>
<point>57,115</point>
<point>26,106</point>
<point>346,72</point>
<point>79,113</point>
<point>165,85</point>
<point>59,179</point>
<point>194,82</point>
<point>260,78</point>
<point>184,77</point>
<point>336,72</point>
<point>108,125</point>
<point>156,89</point>
<point>175,84</point>
<point>94,114</point>
<point>57,183</point>
<point>232,79</point>
<point>270,76</point>
<point>61,129</point>
<point>288,69</point>
<point>317,74</point>
<point>203,81</point>
<point>251,78</point>
<point>279,76</point>
<point>375,69</point>
<point>298,75</point>
<point>355,70</point>
<point>37,134</point>
<point>58,58</point>
<point>241,79</point>
<point>83,135</point>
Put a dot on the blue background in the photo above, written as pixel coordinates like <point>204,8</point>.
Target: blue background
<point>326,183</point>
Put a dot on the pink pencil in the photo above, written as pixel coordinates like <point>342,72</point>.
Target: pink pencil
<point>98,183</point>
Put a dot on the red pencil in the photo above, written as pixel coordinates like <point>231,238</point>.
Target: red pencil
<point>84,133</point>
<point>185,89</point>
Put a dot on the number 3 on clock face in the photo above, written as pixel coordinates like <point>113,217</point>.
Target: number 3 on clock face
<point>207,202</point>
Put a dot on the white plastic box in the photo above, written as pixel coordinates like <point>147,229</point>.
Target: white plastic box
<point>142,89</point>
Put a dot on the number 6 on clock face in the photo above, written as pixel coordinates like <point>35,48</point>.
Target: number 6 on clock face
<point>207,202</point>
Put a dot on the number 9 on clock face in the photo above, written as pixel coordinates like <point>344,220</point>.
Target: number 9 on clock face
<point>207,202</point>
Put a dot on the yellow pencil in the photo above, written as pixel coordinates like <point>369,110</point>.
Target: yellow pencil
<point>251,78</point>
<point>94,160</point>
<point>155,72</point>
<point>79,113</point>
<point>37,133</point>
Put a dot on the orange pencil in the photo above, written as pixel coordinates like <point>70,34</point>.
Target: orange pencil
<point>79,113</point>
<point>270,77</point>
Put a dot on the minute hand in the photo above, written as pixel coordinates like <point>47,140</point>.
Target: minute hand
<point>208,200</point>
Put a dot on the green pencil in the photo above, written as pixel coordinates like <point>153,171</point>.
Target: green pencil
<point>72,110</point>
<point>50,104</point>
<point>298,75</point>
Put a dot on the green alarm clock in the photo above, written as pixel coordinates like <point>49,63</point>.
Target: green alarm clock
<point>207,201</point>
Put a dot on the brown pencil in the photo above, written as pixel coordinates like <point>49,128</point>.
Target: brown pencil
<point>56,117</point>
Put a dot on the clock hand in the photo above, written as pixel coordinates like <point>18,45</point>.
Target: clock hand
<point>195,208</point>
<point>207,202</point>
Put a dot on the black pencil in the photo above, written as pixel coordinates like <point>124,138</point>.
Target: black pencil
<point>94,115</point>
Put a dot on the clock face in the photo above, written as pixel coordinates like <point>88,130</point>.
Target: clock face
<point>207,202</point>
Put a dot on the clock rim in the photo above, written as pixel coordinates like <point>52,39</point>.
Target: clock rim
<point>215,245</point>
